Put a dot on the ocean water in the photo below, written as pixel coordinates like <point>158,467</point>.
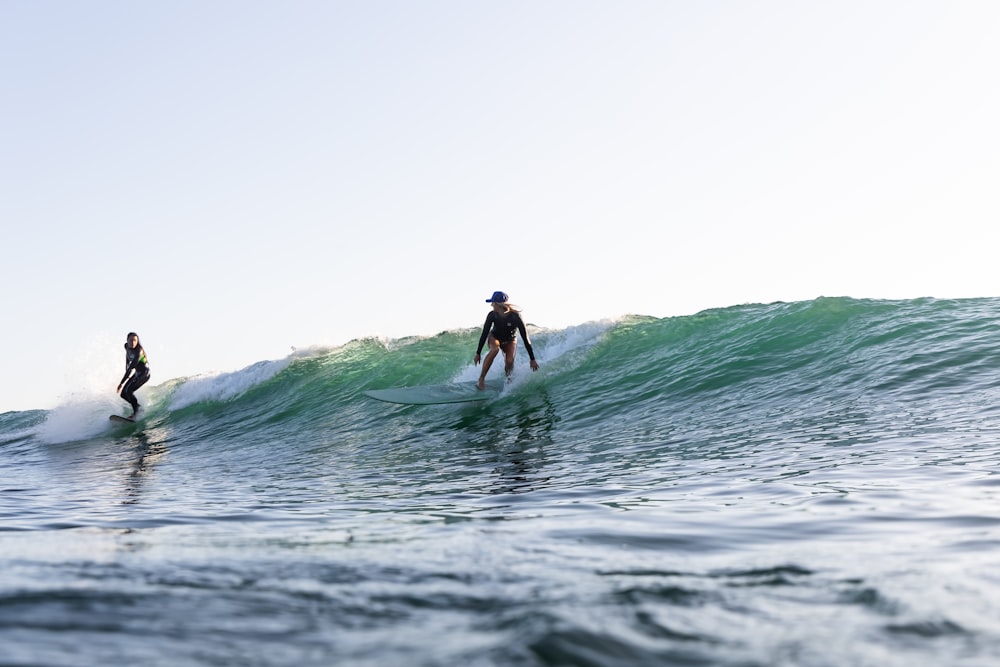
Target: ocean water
<point>808,483</point>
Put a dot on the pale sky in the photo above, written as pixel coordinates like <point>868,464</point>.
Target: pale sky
<point>232,179</point>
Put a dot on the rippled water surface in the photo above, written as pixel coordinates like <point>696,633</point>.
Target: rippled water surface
<point>793,484</point>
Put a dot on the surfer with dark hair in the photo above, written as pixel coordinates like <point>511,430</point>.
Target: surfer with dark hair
<point>500,330</point>
<point>137,366</point>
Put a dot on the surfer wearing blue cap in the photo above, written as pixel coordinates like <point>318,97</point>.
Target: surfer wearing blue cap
<point>500,330</point>
<point>137,366</point>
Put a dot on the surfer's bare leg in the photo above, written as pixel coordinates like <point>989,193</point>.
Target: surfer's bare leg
<point>509,350</point>
<point>494,346</point>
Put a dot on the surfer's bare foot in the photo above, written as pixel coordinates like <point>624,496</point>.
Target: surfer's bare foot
<point>481,384</point>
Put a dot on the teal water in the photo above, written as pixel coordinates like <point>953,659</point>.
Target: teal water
<point>811,483</point>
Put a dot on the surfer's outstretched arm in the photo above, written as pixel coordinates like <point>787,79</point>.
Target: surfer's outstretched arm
<point>527,343</point>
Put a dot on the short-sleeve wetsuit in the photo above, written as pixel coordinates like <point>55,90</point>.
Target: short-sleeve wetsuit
<point>505,328</point>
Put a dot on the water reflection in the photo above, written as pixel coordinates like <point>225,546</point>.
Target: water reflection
<point>519,441</point>
<point>147,453</point>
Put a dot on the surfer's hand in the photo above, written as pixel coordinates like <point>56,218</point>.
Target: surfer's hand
<point>477,359</point>
<point>534,365</point>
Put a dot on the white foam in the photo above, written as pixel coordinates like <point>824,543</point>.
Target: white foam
<point>573,339</point>
<point>79,418</point>
<point>226,386</point>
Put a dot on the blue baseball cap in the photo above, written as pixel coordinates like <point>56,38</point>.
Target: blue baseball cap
<point>498,297</point>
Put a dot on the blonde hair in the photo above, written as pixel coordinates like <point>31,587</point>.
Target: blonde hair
<point>509,307</point>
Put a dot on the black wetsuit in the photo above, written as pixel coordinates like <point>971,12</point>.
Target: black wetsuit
<point>504,329</point>
<point>135,360</point>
